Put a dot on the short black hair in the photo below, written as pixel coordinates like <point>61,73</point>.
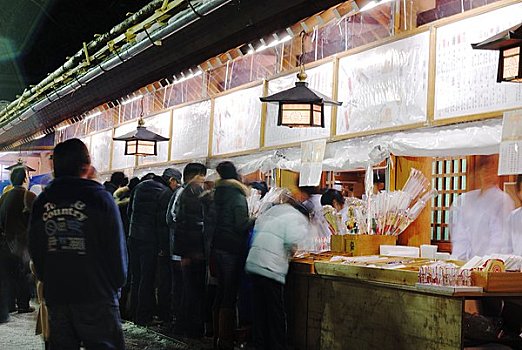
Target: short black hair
<point>147,176</point>
<point>193,169</point>
<point>118,178</point>
<point>227,170</point>
<point>70,158</point>
<point>519,182</point>
<point>18,175</point>
<point>133,182</point>
<point>330,195</point>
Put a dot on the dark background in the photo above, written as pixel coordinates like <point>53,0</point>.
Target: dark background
<point>37,35</point>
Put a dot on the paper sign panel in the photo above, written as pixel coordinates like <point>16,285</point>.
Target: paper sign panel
<point>119,159</point>
<point>319,79</point>
<point>237,121</point>
<point>100,144</point>
<point>510,159</point>
<point>384,87</point>
<point>190,131</point>
<point>466,79</point>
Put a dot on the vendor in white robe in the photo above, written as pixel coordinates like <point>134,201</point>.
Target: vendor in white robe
<point>515,223</point>
<point>478,219</point>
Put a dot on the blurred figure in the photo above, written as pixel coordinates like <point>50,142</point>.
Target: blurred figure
<point>189,243</point>
<point>478,218</point>
<point>78,249</point>
<point>514,226</point>
<point>117,180</point>
<point>15,208</point>
<point>230,245</point>
<point>277,234</point>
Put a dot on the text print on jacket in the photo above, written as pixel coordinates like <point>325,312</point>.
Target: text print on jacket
<point>77,243</point>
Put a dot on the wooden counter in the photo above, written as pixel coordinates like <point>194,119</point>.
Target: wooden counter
<point>366,308</point>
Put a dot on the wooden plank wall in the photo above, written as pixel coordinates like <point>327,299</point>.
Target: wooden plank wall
<point>419,232</point>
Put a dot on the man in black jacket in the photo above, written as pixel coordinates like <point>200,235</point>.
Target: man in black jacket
<point>149,233</point>
<point>188,216</point>
<point>15,207</point>
<point>77,245</point>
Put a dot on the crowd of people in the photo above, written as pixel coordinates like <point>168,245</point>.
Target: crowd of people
<point>177,251</point>
<point>171,250</point>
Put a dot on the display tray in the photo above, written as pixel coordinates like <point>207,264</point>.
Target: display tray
<point>402,271</point>
<point>496,282</point>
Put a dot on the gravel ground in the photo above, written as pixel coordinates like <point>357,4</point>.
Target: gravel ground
<point>18,334</point>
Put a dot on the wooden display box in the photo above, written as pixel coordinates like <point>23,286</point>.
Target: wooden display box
<point>358,245</point>
<point>507,282</point>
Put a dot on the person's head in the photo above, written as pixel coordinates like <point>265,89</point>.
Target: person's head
<point>334,198</point>
<point>71,158</point>
<point>133,183</point>
<point>172,177</point>
<point>519,186</point>
<point>305,192</point>
<point>227,171</point>
<point>194,172</point>
<point>378,183</point>
<point>261,186</point>
<point>19,176</point>
<point>487,170</point>
<point>148,176</point>
<point>118,179</point>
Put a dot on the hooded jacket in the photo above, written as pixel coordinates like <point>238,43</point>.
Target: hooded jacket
<point>277,233</point>
<point>232,219</point>
<point>77,243</point>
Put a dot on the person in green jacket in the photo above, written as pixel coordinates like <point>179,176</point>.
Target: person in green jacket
<point>230,244</point>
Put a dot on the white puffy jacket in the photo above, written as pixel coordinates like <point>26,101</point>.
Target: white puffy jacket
<point>277,233</point>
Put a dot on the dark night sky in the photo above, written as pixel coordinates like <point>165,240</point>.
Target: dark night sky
<point>37,35</point>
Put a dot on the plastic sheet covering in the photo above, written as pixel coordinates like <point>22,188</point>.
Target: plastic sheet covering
<point>160,124</point>
<point>477,138</point>
<point>119,159</point>
<point>319,79</point>
<point>100,143</point>
<point>385,86</point>
<point>466,79</point>
<point>237,121</point>
<point>190,131</point>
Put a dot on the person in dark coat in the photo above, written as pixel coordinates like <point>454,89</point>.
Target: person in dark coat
<point>77,245</point>
<point>164,270</point>
<point>230,245</point>
<point>147,233</point>
<point>118,180</point>
<point>15,208</point>
<point>189,243</point>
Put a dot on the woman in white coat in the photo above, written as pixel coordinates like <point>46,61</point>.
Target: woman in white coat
<point>277,234</point>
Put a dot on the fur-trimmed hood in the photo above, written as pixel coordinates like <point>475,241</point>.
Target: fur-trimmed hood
<point>235,184</point>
